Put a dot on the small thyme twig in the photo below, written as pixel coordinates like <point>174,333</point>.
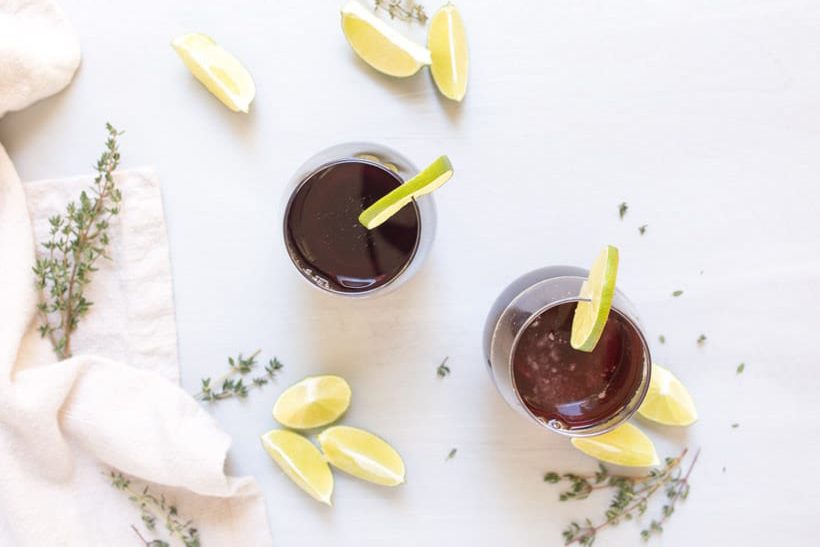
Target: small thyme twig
<point>150,506</point>
<point>77,239</point>
<point>406,10</point>
<point>631,498</point>
<point>228,386</point>
<point>443,369</point>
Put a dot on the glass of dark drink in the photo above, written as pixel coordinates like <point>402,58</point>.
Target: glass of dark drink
<point>323,236</point>
<point>527,347</point>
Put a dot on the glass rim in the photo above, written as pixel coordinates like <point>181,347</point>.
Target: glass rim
<point>626,411</point>
<point>289,248</point>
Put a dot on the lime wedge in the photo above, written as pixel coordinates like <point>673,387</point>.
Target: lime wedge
<point>362,454</point>
<point>380,45</point>
<point>447,41</point>
<point>596,294</point>
<point>218,70</point>
<point>313,402</point>
<point>301,461</point>
<point>667,401</point>
<point>625,445</point>
<point>433,176</point>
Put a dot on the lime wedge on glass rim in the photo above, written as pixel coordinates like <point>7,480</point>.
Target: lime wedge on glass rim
<point>433,176</point>
<point>596,295</point>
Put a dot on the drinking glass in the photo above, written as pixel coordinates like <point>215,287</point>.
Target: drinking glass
<point>323,237</point>
<point>522,303</point>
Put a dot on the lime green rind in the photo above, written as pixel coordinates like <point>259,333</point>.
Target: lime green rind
<point>431,178</point>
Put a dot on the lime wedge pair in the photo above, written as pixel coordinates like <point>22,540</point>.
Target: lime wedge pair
<point>667,402</point>
<point>390,52</point>
<point>349,449</point>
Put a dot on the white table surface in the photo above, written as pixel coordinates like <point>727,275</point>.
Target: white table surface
<point>702,115</point>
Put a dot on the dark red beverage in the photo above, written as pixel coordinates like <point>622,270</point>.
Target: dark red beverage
<point>576,388</point>
<point>329,245</point>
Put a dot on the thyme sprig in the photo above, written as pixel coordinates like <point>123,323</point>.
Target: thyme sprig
<point>630,500</point>
<point>406,10</point>
<point>152,508</point>
<point>228,385</point>
<point>77,240</point>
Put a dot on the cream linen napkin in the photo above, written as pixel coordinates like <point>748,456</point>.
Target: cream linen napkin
<point>64,424</point>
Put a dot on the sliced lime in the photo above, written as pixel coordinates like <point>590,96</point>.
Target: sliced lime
<point>433,176</point>
<point>596,300</point>
<point>667,401</point>
<point>625,445</point>
<point>362,454</point>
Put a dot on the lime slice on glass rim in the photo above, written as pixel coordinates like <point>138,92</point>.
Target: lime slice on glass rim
<point>433,176</point>
<point>596,295</point>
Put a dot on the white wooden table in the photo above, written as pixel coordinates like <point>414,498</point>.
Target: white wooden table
<point>703,115</point>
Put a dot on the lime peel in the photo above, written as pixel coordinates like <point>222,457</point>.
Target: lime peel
<point>431,178</point>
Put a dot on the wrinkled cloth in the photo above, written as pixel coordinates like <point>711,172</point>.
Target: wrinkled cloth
<point>39,52</point>
<point>116,404</point>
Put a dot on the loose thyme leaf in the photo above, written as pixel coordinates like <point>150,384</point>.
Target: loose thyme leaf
<point>701,339</point>
<point>77,239</point>
<point>662,339</point>
<point>735,426</point>
<point>443,370</point>
<point>642,229</point>
<point>677,293</point>
<point>622,209</point>
<point>741,367</point>
<point>452,453</point>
